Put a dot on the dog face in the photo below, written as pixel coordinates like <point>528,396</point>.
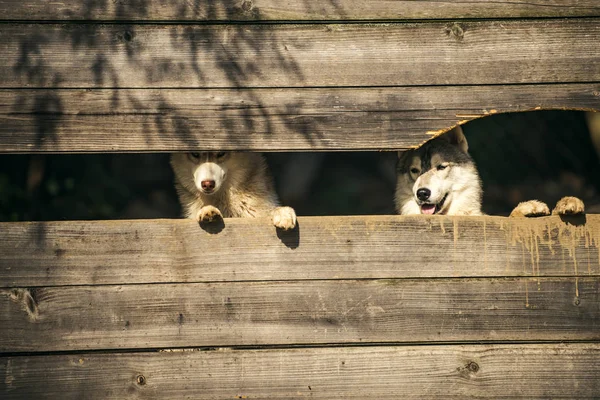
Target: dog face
<point>208,169</point>
<point>438,178</point>
<point>432,184</point>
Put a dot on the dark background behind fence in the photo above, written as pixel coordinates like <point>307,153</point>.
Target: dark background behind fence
<point>543,155</point>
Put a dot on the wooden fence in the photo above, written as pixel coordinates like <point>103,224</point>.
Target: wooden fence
<point>343,307</point>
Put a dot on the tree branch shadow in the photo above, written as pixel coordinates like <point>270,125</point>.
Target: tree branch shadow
<point>240,51</point>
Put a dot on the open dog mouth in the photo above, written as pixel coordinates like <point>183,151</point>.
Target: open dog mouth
<point>431,209</point>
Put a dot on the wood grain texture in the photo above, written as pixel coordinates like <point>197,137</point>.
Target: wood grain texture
<point>501,371</point>
<point>149,251</point>
<point>78,120</point>
<point>290,313</point>
<point>304,55</point>
<point>268,10</point>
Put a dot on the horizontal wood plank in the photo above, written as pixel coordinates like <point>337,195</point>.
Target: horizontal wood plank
<point>303,55</point>
<point>290,313</point>
<point>149,251</point>
<point>79,120</point>
<point>269,10</point>
<point>501,371</point>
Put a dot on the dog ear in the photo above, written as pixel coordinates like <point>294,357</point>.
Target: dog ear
<point>457,137</point>
<point>402,154</point>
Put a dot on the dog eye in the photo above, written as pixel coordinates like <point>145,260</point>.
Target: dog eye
<point>221,154</point>
<point>442,167</point>
<point>414,170</point>
<point>195,155</point>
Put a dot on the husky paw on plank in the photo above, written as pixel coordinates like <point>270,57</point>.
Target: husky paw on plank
<point>208,214</point>
<point>284,218</point>
<point>213,185</point>
<point>569,205</point>
<point>531,208</point>
<point>534,208</point>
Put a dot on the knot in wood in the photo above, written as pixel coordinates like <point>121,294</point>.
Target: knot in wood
<point>473,366</point>
<point>457,31</point>
<point>128,36</point>
<point>141,380</point>
<point>247,5</point>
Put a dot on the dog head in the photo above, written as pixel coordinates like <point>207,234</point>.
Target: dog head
<point>438,178</point>
<point>205,172</point>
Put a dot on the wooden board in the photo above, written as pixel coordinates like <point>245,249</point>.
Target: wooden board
<point>79,120</point>
<point>148,251</point>
<point>291,313</point>
<point>519,371</point>
<point>268,10</point>
<point>303,55</point>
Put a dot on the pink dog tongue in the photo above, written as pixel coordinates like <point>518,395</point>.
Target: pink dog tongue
<point>428,209</point>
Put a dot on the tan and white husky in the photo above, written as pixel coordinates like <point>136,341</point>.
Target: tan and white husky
<point>214,185</point>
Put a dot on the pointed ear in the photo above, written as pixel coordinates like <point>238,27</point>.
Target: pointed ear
<point>457,137</point>
<point>403,154</point>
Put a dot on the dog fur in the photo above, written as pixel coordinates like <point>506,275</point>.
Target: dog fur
<point>444,168</point>
<point>214,185</point>
<point>441,178</point>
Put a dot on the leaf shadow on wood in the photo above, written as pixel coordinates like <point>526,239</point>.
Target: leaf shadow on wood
<point>46,107</point>
<point>112,52</point>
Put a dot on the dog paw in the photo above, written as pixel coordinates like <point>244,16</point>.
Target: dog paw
<point>284,218</point>
<point>531,208</point>
<point>208,214</point>
<point>569,206</point>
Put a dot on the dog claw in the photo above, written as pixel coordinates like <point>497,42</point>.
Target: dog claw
<point>284,218</point>
<point>569,206</point>
<point>531,208</point>
<point>208,214</point>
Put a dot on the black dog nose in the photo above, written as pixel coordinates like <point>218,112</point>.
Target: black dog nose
<point>423,194</point>
<point>208,185</point>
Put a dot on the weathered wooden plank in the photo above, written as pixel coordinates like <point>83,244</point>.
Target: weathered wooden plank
<point>148,251</point>
<point>305,312</point>
<point>79,120</point>
<point>269,10</point>
<point>499,371</point>
<point>304,55</point>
